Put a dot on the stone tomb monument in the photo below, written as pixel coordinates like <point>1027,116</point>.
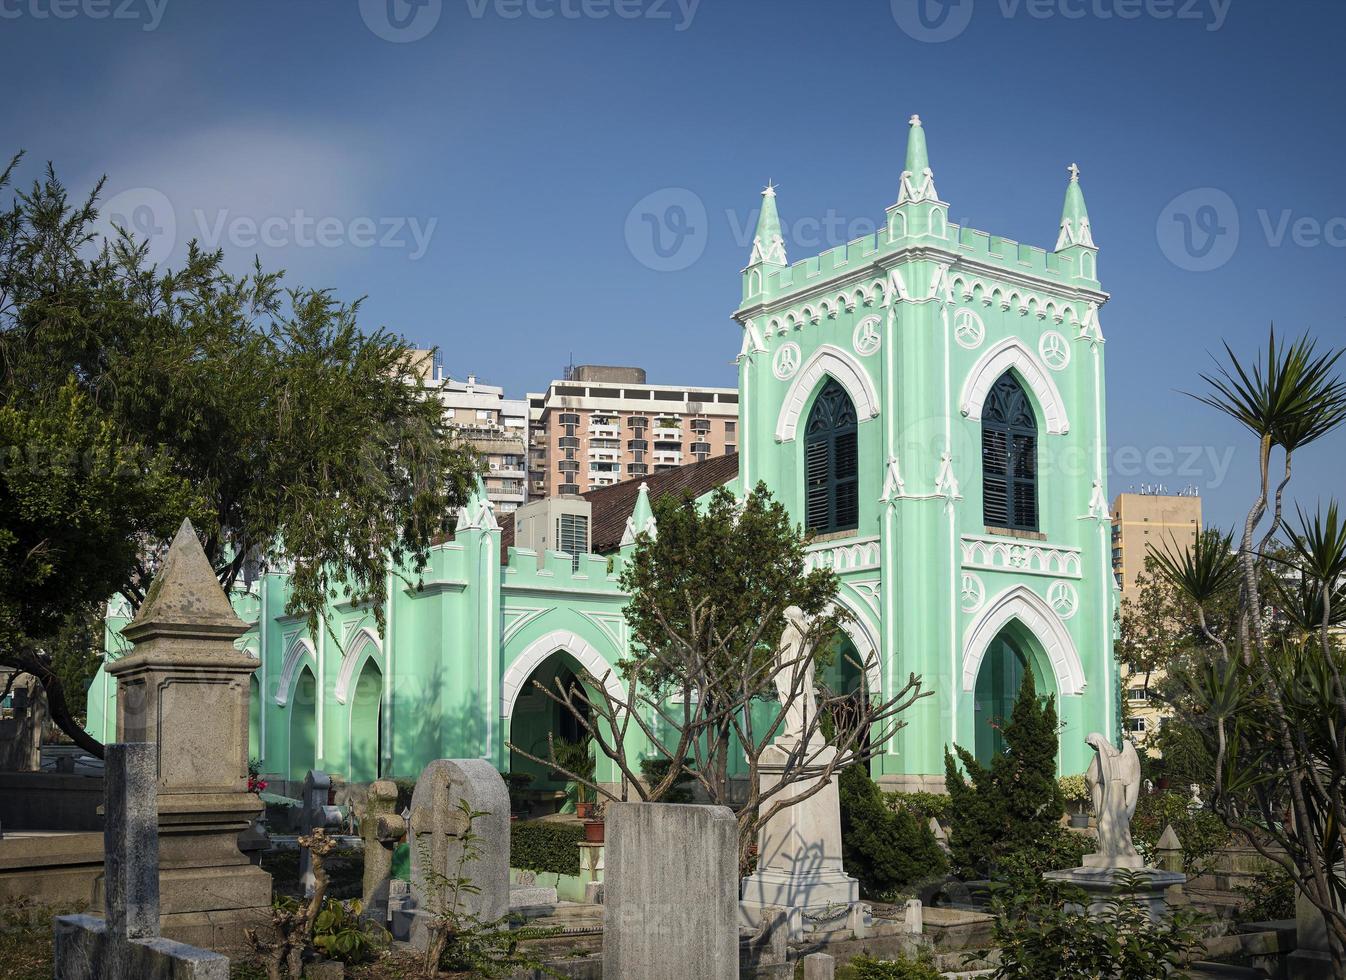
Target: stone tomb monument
<point>669,896</point>
<point>381,827</point>
<point>184,687</point>
<point>1114,786</point>
<point>315,814</point>
<point>437,831</point>
<point>126,944</point>
<point>799,868</point>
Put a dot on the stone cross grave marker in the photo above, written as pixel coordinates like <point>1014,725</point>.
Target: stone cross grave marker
<point>381,829</point>
<point>438,829</point>
<point>314,814</point>
<point>126,944</point>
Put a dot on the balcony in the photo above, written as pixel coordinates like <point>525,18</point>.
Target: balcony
<point>605,431</point>
<point>667,458</point>
<point>668,433</point>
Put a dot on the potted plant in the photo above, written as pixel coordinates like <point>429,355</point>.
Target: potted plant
<point>593,827</point>
<point>577,758</point>
<point>1078,803</point>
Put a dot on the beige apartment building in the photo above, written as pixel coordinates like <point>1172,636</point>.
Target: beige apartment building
<point>496,426</point>
<point>602,425</point>
<point>1164,520</point>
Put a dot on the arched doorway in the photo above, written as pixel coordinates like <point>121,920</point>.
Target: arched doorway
<point>1007,657</point>
<point>536,717</point>
<point>366,731</point>
<point>843,675</point>
<point>303,725</point>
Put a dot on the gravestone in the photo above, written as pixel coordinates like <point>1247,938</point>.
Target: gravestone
<point>184,687</point>
<point>437,830</point>
<point>125,945</point>
<point>382,827</point>
<point>314,814</point>
<point>669,892</point>
<point>819,966</point>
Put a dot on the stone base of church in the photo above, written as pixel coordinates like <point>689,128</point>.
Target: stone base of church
<point>1156,890</point>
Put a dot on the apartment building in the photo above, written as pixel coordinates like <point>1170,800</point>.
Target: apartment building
<point>1164,520</point>
<point>496,426</point>
<point>602,425</point>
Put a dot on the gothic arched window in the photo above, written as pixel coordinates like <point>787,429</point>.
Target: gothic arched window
<point>831,463</point>
<point>1009,457</point>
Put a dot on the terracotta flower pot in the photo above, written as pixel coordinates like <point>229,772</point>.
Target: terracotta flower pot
<point>593,831</point>
<point>584,810</point>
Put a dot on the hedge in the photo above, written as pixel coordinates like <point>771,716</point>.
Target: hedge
<point>545,845</point>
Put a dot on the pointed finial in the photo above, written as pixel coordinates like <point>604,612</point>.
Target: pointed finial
<point>1074,172</point>
<point>767,244</point>
<point>185,596</point>
<point>915,120</point>
<point>770,189</point>
<point>1075,228</point>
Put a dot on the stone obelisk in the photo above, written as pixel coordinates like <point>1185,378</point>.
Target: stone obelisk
<point>184,687</point>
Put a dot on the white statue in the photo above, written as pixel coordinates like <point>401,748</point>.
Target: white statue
<point>1197,802</point>
<point>1114,785</point>
<point>792,657</point>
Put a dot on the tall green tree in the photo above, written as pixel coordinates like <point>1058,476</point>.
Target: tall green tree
<point>1272,710</point>
<point>138,395</point>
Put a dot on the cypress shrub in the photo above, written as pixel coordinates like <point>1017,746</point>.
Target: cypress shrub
<point>885,849</point>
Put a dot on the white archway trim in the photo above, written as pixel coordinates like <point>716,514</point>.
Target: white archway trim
<point>299,649</point>
<point>1013,353</point>
<point>861,633</point>
<point>1021,603</point>
<point>539,650</point>
<point>355,652</point>
<point>826,360</point>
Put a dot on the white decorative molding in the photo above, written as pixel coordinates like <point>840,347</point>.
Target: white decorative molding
<point>1064,599</point>
<point>863,635</point>
<point>516,618</point>
<point>363,643</point>
<point>946,482</point>
<point>1012,353</point>
<point>1054,350</point>
<point>785,364</point>
<point>968,329</point>
<point>973,593</point>
<point>1098,505</point>
<point>612,624</point>
<point>1014,555</point>
<point>893,487</point>
<point>752,341</point>
<point>827,360</point>
<point>299,648</point>
<point>849,555</point>
<point>1024,605</point>
<point>558,641</point>
<point>868,590</point>
<point>866,338</point>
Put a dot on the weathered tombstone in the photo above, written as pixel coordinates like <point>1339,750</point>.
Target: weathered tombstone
<point>125,945</point>
<point>314,814</point>
<point>381,829</point>
<point>184,687</point>
<point>1168,850</point>
<point>437,829</point>
<point>819,966</point>
<point>669,892</point>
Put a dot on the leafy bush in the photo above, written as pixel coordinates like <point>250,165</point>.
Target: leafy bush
<point>546,845</point>
<point>1014,806</point>
<point>868,968</point>
<point>1074,789</point>
<point>1270,895</point>
<point>342,935</point>
<point>1201,833</point>
<point>654,771</point>
<point>923,806</point>
<point>885,849</point>
<point>1042,935</point>
<point>577,757</point>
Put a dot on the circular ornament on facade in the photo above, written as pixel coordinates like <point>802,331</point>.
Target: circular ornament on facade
<point>1063,599</point>
<point>867,339</point>
<point>973,593</point>
<point>968,329</point>
<point>1054,350</point>
<point>786,362</point>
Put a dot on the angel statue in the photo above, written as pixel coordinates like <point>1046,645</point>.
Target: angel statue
<point>792,656</point>
<point>1114,785</point>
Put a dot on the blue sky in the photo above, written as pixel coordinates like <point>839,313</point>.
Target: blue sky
<point>481,170</point>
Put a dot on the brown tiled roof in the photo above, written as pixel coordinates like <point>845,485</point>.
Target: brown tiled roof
<point>613,505</point>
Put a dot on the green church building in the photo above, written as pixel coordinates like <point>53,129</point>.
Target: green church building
<point>928,403</point>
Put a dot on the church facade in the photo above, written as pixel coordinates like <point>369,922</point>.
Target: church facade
<point>927,401</point>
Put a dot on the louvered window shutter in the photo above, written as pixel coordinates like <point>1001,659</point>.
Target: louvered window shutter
<point>1009,454</point>
<point>831,463</point>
